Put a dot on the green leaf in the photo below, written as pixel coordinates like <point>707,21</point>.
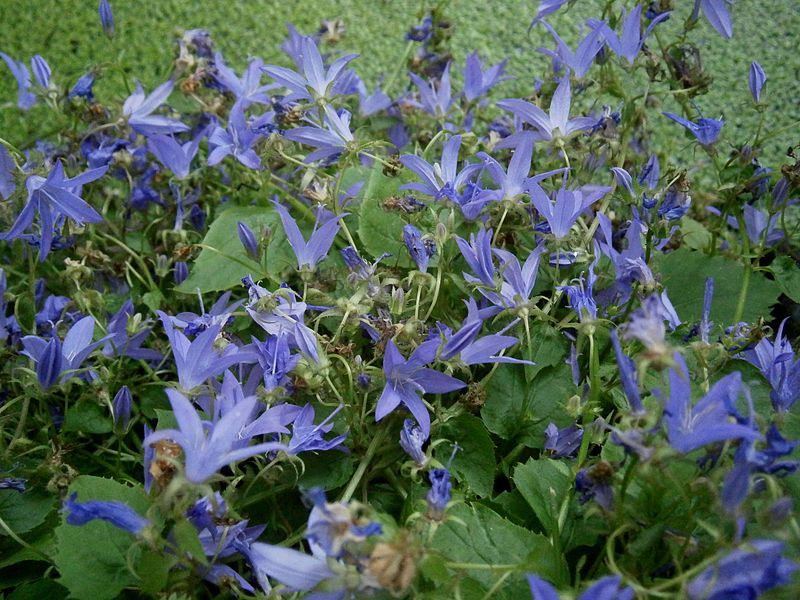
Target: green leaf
<point>694,234</point>
<point>549,348</point>
<point>684,274</point>
<point>24,511</point>
<point>87,417</point>
<point>188,540</point>
<point>45,588</point>
<point>477,535</point>
<point>93,559</point>
<point>545,485</point>
<point>153,569</point>
<point>328,470</point>
<point>223,260</point>
<point>787,275</point>
<point>474,462</point>
<point>380,230</point>
<point>516,409</point>
<point>153,300</point>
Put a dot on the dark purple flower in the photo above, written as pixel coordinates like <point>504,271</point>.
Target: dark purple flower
<point>560,443</point>
<point>442,179</point>
<point>595,484</point>
<point>208,447</point>
<point>248,240</point>
<point>439,494</point>
<point>553,125</point>
<point>83,88</point>
<point>248,88</point>
<point>710,420</point>
<point>26,98</point>
<point>55,197</point>
<point>717,13</point>
<point>118,514</point>
<point>276,361</point>
<point>629,43</point>
<point>777,363</point>
<point>13,483</point>
<point>121,344</point>
<point>581,297</point>
<point>173,155</point>
<point>121,407</point>
<point>477,81</point>
<point>315,83</point>
<point>420,250</point>
<point>319,243</point>
<point>412,440</point>
<point>139,108</point>
<point>756,80</point>
<point>236,140</point>
<point>582,58</point>
<point>106,17</point>
<point>180,272</point>
<point>407,379</point>
<point>744,573</point>
<point>330,141</point>
<point>705,130</point>
<point>307,437</point>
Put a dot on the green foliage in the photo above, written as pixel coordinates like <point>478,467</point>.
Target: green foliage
<point>88,417</point>
<point>545,484</point>
<point>477,535</point>
<point>223,260</point>
<point>23,511</point>
<point>474,461</point>
<point>381,230</point>
<point>686,270</point>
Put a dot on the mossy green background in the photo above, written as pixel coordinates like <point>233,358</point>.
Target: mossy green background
<point>68,34</point>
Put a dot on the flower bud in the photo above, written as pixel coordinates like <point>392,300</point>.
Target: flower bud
<point>121,408</point>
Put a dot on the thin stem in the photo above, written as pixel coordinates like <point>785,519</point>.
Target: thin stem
<point>363,465</point>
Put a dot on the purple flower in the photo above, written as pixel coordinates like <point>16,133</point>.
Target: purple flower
<point>607,588</point>
<point>472,350</point>
<point>412,440</point>
<point>292,568</point>
<point>307,437</point>
<point>276,361</point>
<point>332,525</point>
<point>627,375</point>
<point>439,494</point>
<point>547,7</point>
<point>756,80</point>
<point>370,104</point>
<point>199,360</point>
<point>118,514</point>
<point>560,443</point>
<point>236,140</point>
<point>629,43</point>
<point>553,125</point>
<point>777,363</point>
<point>281,313</point>
<point>581,298</point>
<point>7,169</point>
<point>121,407</point>
<point>440,180</point>
<point>41,70</point>
<point>139,108</point>
<point>13,483</point>
<point>106,17</point>
<point>478,254</point>
<point>315,82</point>
<point>56,361</point>
<point>435,100</point>
<point>407,379</point>
<point>568,205</point>
<point>716,11</point>
<point>582,58</point>
<point>518,281</point>
<point>56,198</point>
<point>705,130</point>
<point>744,573</point>
<point>180,272</point>
<point>330,141</point>
<point>173,155</point>
<point>26,99</point>
<point>83,88</point>
<point>208,447</point>
<point>248,239</point>
<point>420,250</point>
<point>248,89</point>
<point>477,81</point>
<point>709,421</point>
<point>319,243</point>
<point>646,323</point>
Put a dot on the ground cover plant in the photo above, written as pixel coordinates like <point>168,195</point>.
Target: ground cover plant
<point>283,332</point>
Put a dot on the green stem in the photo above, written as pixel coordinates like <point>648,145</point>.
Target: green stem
<point>363,465</point>
<point>747,270</point>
